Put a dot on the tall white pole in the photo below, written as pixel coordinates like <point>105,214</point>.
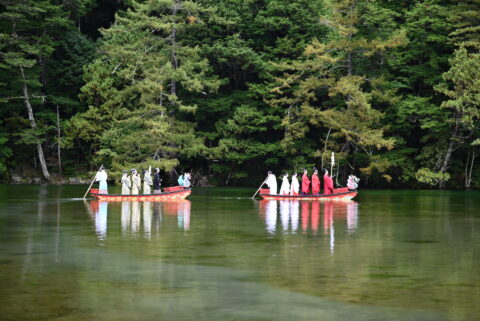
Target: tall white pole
<point>332,161</point>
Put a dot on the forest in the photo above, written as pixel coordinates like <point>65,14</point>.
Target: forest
<point>231,89</point>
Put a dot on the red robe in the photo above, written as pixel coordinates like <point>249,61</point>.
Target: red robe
<point>327,184</point>
<point>315,184</point>
<point>305,184</point>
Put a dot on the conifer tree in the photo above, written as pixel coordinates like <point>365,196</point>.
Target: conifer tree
<point>26,42</point>
<point>135,87</point>
<point>335,86</point>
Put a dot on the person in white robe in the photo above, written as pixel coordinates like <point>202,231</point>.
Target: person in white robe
<point>285,187</point>
<point>136,183</point>
<point>147,181</point>
<point>126,184</point>
<point>295,186</point>
<point>102,177</point>
<point>352,182</point>
<point>186,180</point>
<point>272,183</point>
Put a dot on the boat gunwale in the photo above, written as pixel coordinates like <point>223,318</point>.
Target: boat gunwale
<point>310,195</point>
<point>142,195</point>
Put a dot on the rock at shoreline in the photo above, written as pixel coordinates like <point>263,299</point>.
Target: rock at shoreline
<point>203,182</point>
<point>16,179</point>
<point>73,180</point>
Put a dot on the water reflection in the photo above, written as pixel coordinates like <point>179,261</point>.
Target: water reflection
<point>291,212</point>
<point>139,218</point>
<point>98,212</point>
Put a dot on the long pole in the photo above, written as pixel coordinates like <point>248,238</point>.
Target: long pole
<point>332,161</point>
<point>259,188</point>
<point>93,180</point>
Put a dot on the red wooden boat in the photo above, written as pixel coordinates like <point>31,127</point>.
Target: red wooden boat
<point>339,194</point>
<point>168,194</point>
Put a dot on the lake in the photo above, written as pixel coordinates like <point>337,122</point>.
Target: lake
<point>390,255</point>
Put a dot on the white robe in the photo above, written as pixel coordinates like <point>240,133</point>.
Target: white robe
<point>126,184</point>
<point>295,187</point>
<point>147,182</point>
<point>272,184</point>
<point>136,184</point>
<point>285,188</point>
<point>102,177</point>
<point>186,180</point>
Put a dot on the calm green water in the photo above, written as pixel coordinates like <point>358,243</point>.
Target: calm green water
<point>392,255</point>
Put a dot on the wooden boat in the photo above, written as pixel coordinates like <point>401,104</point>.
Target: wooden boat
<point>168,194</point>
<point>339,194</point>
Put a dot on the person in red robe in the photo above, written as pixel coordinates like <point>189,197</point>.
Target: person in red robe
<point>327,184</point>
<point>315,183</point>
<point>305,183</point>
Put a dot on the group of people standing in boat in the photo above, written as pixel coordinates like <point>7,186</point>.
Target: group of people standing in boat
<point>293,188</point>
<point>132,184</point>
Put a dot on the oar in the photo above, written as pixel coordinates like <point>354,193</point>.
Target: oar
<point>259,188</point>
<point>93,180</point>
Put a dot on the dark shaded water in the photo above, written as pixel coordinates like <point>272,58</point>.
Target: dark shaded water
<point>392,255</point>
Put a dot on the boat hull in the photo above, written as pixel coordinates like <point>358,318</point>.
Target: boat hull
<point>165,196</point>
<point>339,195</point>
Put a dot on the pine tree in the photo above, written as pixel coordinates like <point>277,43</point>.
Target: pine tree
<point>135,87</point>
<point>462,89</point>
<point>466,18</point>
<point>26,42</point>
<point>332,88</point>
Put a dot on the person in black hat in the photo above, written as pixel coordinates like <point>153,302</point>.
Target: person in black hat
<point>315,182</point>
<point>157,182</point>
<point>305,183</point>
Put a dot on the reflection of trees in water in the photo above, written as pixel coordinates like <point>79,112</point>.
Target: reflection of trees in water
<point>140,218</point>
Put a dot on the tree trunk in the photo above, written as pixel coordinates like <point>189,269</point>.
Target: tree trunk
<point>451,147</point>
<point>349,64</point>
<point>325,146</point>
<point>41,157</point>
<point>59,155</point>
<point>468,172</point>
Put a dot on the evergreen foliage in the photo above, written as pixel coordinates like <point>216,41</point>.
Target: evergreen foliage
<point>235,88</point>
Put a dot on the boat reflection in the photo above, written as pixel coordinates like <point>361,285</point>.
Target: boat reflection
<point>291,213</point>
<point>139,218</point>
